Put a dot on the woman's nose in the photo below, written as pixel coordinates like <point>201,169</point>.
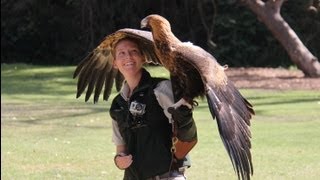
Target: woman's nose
<point>128,55</point>
<point>124,56</point>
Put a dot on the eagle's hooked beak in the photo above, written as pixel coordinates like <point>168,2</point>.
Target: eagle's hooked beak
<point>144,23</point>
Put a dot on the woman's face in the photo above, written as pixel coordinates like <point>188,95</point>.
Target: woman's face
<point>128,58</point>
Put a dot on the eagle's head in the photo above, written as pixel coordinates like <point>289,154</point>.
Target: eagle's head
<point>155,21</point>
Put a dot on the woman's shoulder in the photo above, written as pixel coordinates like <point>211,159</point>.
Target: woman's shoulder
<point>164,95</point>
<point>164,85</point>
<point>164,88</point>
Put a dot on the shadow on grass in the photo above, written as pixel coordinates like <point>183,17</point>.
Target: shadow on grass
<point>57,115</point>
<point>51,84</point>
<point>276,100</point>
<point>293,104</point>
<point>38,81</point>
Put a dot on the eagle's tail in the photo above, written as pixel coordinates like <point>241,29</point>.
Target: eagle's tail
<point>233,113</point>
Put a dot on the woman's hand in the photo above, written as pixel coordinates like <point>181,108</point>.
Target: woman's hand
<point>122,160</point>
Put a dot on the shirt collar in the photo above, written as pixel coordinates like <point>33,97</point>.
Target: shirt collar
<point>143,83</point>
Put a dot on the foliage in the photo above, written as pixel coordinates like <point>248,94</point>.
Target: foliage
<point>244,40</point>
<point>63,32</point>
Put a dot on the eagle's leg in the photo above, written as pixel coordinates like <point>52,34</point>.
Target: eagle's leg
<point>182,101</point>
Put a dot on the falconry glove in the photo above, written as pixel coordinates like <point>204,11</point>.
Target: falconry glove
<point>186,128</point>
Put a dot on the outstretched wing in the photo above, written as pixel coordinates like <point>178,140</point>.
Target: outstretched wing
<point>96,69</point>
<point>232,111</point>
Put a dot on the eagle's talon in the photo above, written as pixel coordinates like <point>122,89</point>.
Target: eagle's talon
<point>180,103</point>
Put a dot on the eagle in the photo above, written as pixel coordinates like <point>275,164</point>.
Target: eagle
<point>193,73</point>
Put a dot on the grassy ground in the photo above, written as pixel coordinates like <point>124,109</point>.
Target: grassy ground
<point>48,134</point>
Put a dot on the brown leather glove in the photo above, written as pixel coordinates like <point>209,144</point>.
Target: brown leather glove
<point>186,131</point>
<point>186,128</point>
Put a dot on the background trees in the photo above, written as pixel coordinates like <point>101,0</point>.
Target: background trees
<point>269,13</point>
<point>64,31</point>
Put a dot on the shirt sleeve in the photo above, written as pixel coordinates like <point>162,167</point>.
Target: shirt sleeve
<point>116,136</point>
<point>164,95</point>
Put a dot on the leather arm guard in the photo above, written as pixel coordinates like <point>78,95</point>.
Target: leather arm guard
<point>186,131</point>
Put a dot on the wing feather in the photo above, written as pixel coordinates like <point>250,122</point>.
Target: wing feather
<point>232,111</point>
<point>105,73</point>
<point>108,83</point>
<point>119,80</point>
<point>85,75</point>
<point>81,64</point>
<point>97,69</point>
<point>91,86</point>
<point>233,128</point>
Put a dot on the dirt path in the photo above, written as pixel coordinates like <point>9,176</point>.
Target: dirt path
<point>272,78</point>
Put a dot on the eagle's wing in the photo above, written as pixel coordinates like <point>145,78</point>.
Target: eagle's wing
<point>96,69</point>
<point>232,111</point>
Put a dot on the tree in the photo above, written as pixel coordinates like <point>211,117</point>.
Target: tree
<point>269,13</point>
<point>63,32</point>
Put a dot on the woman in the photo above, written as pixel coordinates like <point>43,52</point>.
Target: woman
<point>142,130</point>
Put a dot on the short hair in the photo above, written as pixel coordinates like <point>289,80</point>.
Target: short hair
<point>134,40</point>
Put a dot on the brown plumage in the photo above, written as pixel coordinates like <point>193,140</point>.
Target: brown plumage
<point>193,72</point>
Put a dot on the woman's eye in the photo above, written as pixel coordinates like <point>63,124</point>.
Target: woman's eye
<point>121,53</point>
<point>135,51</point>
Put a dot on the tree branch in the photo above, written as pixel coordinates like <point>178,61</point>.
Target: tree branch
<point>274,5</point>
<point>203,21</point>
<point>208,27</point>
<point>254,5</point>
<point>269,14</point>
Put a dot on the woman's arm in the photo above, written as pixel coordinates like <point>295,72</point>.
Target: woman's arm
<point>121,159</point>
<point>186,131</point>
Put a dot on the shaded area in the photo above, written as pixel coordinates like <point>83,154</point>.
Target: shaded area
<point>18,114</point>
<point>62,32</point>
<point>29,79</point>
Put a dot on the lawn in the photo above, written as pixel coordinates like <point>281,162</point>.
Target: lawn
<point>46,133</point>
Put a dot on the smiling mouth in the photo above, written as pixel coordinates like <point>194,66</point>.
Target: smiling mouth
<point>129,64</point>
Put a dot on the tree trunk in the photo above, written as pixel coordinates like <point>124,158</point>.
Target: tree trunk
<point>269,13</point>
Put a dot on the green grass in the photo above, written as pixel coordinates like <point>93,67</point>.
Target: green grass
<point>46,133</point>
